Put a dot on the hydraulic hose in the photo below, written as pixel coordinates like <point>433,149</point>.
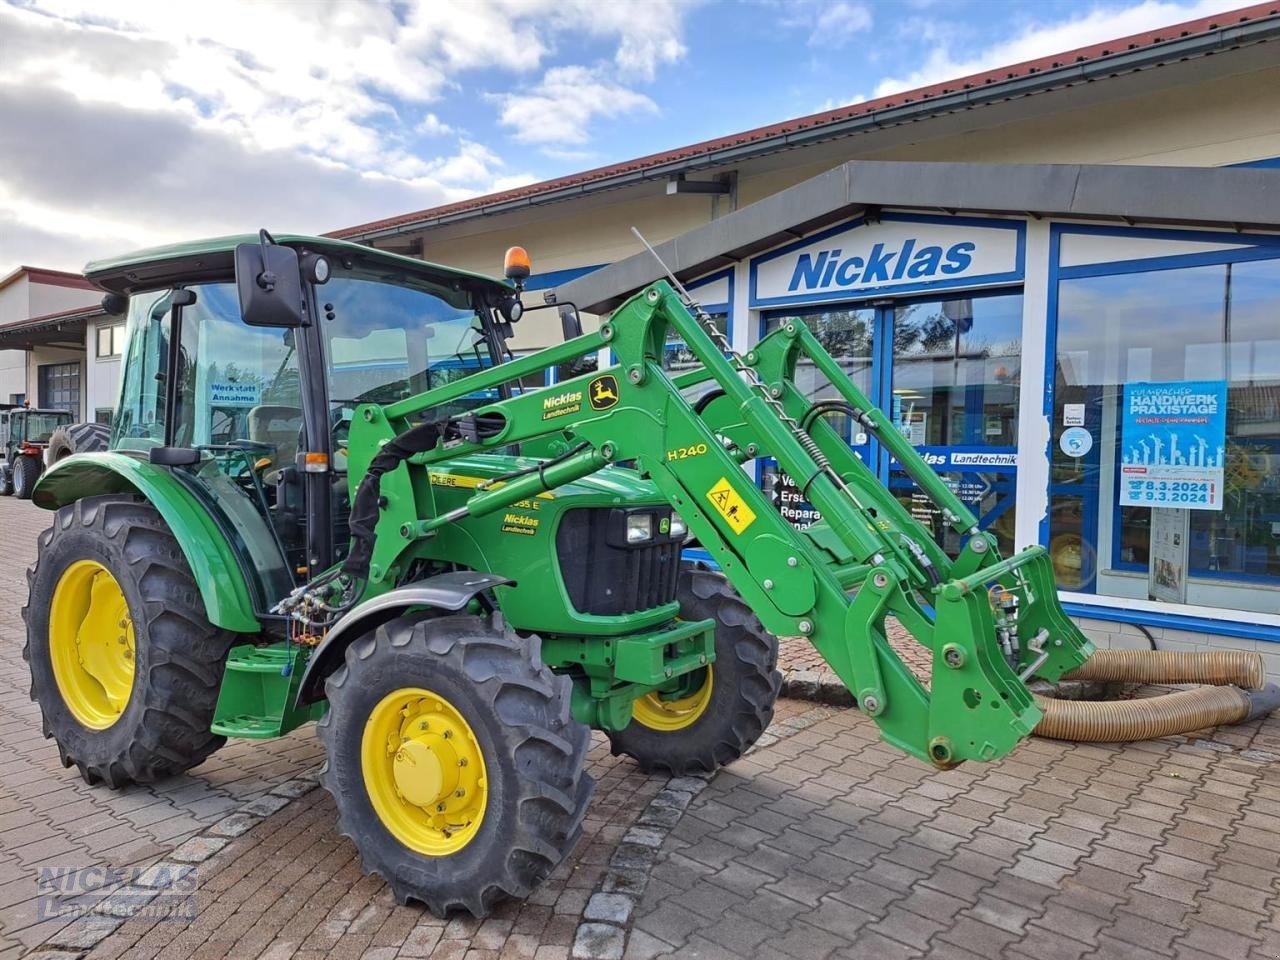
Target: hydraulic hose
<point>1114,721</point>
<point>1215,667</point>
<point>1221,702</point>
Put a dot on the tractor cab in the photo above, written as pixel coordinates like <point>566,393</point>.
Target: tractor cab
<point>247,395</point>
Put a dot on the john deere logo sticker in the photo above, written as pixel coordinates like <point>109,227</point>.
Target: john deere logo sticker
<point>603,392</point>
<point>731,506</point>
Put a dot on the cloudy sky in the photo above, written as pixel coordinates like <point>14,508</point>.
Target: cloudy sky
<point>135,122</point>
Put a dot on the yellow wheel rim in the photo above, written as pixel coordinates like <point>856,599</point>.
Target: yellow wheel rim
<point>91,644</point>
<point>657,714</point>
<point>424,771</point>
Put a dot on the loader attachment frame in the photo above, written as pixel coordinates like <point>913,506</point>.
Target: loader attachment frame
<point>989,623</point>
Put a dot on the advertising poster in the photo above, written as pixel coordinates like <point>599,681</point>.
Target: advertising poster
<point>1167,574</point>
<point>1173,444</point>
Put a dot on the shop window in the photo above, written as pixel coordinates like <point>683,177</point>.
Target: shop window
<point>110,341</point>
<point>1171,495</point>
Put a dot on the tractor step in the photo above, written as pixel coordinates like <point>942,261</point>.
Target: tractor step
<point>257,695</point>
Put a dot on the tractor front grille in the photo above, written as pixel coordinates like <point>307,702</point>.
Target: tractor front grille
<point>604,575</point>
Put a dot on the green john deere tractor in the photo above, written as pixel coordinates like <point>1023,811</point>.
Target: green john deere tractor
<point>327,497</point>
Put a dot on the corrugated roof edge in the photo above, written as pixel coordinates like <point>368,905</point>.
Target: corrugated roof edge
<point>76,313</point>
<point>989,79</point>
<point>60,278</point>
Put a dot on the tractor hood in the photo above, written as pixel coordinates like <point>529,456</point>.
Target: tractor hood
<point>615,482</point>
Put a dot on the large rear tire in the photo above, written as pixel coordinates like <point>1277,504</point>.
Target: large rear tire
<point>726,707</point>
<point>77,438</point>
<point>26,471</point>
<point>454,762</point>
<point>124,662</point>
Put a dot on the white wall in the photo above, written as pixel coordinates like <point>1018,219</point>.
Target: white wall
<point>1196,117</point>
<point>21,300</point>
<point>101,377</point>
<point>47,298</point>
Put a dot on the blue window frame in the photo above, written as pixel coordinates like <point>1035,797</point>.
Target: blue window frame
<point>1207,313</point>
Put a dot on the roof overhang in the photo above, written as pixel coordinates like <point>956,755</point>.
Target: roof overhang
<point>1215,36</point>
<point>1229,198</point>
<point>65,329</point>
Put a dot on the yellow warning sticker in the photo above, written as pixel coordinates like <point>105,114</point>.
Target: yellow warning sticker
<point>731,506</point>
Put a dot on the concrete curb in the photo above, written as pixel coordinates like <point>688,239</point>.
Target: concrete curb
<point>816,688</point>
<point>606,921</point>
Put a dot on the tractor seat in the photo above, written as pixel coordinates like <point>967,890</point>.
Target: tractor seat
<point>279,426</point>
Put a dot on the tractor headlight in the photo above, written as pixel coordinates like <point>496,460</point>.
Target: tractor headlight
<point>639,527</point>
<point>678,528</point>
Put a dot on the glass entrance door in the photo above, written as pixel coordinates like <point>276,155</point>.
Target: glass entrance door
<point>948,373</point>
<point>953,392</point>
<point>849,335</point>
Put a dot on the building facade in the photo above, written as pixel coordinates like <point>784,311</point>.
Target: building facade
<point>46,320</point>
<point>1104,381</point>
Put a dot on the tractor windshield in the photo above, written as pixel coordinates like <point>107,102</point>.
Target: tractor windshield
<point>40,426</point>
<point>388,340</point>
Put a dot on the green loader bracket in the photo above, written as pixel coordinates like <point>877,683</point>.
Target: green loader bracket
<point>990,624</point>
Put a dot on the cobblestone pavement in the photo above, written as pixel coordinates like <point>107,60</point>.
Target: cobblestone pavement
<point>51,820</point>
<point>833,844</point>
<point>822,842</point>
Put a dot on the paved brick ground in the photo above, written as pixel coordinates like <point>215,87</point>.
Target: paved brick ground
<point>831,843</point>
<point>822,842</point>
<point>293,887</point>
<point>50,819</point>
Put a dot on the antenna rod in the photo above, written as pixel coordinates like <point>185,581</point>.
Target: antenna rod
<point>680,288</point>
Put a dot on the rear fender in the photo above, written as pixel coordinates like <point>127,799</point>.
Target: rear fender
<point>449,592</point>
<point>227,597</point>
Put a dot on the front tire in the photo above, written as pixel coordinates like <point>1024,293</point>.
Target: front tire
<point>26,471</point>
<point>455,765</point>
<point>124,663</point>
<point>727,708</point>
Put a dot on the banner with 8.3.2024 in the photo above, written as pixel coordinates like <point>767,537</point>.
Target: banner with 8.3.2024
<point>1173,444</point>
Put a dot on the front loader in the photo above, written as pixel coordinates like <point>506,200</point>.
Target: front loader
<point>328,497</point>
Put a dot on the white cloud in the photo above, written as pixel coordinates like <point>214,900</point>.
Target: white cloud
<point>432,126</point>
<point>558,111</point>
<point>1039,39</point>
<point>304,115</point>
<point>838,23</point>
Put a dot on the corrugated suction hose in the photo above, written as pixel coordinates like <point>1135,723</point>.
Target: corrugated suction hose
<point>1173,713</point>
<point>1214,667</point>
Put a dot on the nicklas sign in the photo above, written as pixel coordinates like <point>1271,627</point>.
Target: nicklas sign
<point>898,254</point>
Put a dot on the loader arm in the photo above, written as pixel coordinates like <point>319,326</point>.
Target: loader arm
<point>834,584</point>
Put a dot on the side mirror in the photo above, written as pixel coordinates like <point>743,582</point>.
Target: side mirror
<point>269,282</point>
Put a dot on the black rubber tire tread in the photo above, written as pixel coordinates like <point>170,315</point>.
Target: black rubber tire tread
<point>26,471</point>
<point>745,686</point>
<point>77,438</point>
<point>534,753</point>
<point>6,484</point>
<point>180,656</point>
